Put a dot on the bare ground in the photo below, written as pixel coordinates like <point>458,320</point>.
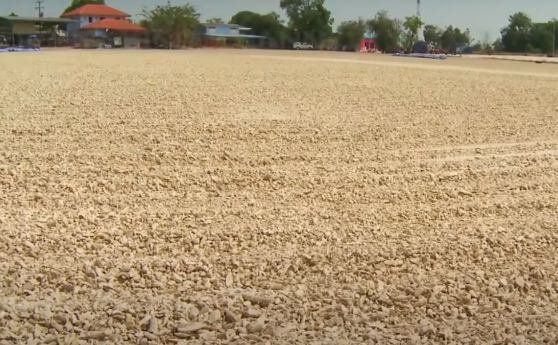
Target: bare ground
<point>274,197</point>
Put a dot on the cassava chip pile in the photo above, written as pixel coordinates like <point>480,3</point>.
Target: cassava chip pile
<point>211,197</point>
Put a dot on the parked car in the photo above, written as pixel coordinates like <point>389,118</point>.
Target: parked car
<point>303,45</point>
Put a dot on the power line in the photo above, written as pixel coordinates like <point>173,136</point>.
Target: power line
<point>40,6</point>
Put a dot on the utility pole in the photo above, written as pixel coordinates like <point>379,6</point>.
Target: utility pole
<point>419,36</point>
<point>40,6</point>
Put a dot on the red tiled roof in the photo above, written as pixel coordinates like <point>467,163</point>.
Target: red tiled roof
<point>114,24</point>
<point>96,10</point>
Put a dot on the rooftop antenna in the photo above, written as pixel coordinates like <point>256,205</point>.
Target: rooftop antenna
<point>40,6</point>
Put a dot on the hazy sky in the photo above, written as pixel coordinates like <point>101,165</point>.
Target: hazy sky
<point>481,16</point>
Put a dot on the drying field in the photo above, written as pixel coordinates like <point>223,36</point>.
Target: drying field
<point>207,197</point>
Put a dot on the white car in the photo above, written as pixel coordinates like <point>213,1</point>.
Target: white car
<point>299,45</point>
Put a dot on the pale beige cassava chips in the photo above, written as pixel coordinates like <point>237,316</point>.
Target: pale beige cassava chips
<point>222,196</point>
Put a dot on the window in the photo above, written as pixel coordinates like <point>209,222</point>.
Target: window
<point>91,19</point>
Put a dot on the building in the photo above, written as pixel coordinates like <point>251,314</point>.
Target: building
<point>96,25</point>
<point>368,43</point>
<point>23,31</point>
<point>223,35</point>
<point>112,32</point>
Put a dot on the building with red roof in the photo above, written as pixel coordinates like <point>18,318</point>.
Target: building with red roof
<point>96,10</point>
<point>114,25</point>
<point>97,25</point>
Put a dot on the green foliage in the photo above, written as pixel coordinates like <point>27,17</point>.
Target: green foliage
<point>453,38</point>
<point>388,31</point>
<point>540,38</point>
<point>268,25</point>
<point>498,46</point>
<point>309,20</point>
<point>351,33</point>
<point>523,36</point>
<point>432,35</point>
<point>78,3</point>
<point>172,26</point>
<point>412,26</point>
<point>515,37</point>
<point>520,22</point>
<point>13,14</point>
<point>330,43</point>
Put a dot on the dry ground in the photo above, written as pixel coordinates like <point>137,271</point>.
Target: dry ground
<point>251,196</point>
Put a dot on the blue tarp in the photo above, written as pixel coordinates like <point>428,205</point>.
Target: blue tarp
<point>233,36</point>
<point>18,49</point>
<point>424,56</point>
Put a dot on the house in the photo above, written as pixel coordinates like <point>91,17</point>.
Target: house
<point>221,35</point>
<point>20,31</point>
<point>96,25</point>
<point>368,43</point>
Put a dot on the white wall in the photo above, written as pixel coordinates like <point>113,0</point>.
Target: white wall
<point>85,20</point>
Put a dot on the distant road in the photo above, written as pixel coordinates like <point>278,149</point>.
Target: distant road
<point>516,58</point>
<point>457,64</point>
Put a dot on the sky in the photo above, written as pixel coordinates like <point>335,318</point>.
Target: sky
<point>484,18</point>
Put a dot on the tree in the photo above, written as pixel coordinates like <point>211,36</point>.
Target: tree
<point>521,35</point>
<point>215,20</point>
<point>454,38</point>
<point>350,33</point>
<point>412,26</point>
<point>498,46</point>
<point>330,43</point>
<point>520,22</point>
<point>540,38</point>
<point>171,26</point>
<point>515,36</point>
<point>432,35</point>
<point>12,14</point>
<point>387,31</point>
<point>268,25</point>
<point>309,20</point>
<point>554,24</point>
<point>78,3</point>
